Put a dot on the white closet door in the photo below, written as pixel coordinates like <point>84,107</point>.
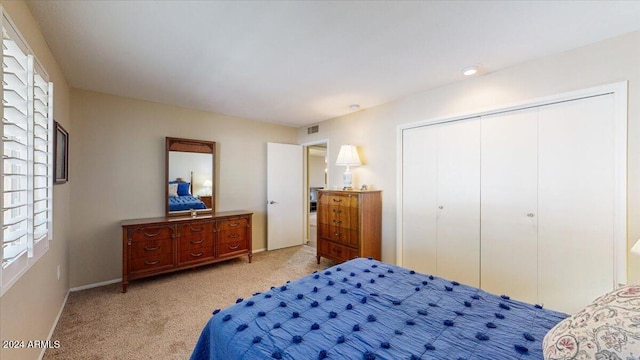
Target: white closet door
<point>509,259</point>
<point>419,196</point>
<point>458,245</point>
<point>576,202</point>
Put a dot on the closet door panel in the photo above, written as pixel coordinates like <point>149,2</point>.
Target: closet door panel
<point>576,201</point>
<point>458,245</point>
<point>419,199</point>
<point>509,204</point>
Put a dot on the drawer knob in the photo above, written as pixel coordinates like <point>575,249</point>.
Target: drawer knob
<point>152,248</point>
<point>337,251</point>
<point>197,242</point>
<point>151,262</point>
<point>233,236</point>
<point>197,255</point>
<point>337,200</point>
<point>150,234</point>
<point>233,224</point>
<point>233,247</point>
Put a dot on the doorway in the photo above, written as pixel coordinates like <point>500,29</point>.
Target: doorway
<point>316,179</point>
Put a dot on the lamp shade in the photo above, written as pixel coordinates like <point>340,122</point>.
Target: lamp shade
<point>207,183</point>
<point>348,156</point>
<point>636,248</point>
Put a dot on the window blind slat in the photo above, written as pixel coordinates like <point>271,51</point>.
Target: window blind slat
<point>10,236</point>
<point>14,221</point>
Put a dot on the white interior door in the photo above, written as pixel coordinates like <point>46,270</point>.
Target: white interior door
<point>576,202</point>
<point>285,204</point>
<point>441,200</point>
<point>419,199</point>
<point>458,244</point>
<point>509,204</point>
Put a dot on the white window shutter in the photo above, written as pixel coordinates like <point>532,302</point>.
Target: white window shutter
<point>27,157</point>
<point>15,148</point>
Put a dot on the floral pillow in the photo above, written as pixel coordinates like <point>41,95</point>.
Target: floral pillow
<point>607,329</point>
<point>173,190</point>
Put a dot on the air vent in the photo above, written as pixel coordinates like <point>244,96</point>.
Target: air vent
<point>314,129</point>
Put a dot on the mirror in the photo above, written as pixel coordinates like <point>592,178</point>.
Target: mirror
<point>190,176</point>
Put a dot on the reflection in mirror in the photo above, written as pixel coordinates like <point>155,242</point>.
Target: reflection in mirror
<point>190,176</point>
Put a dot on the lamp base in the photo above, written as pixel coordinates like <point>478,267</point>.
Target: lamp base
<point>346,179</point>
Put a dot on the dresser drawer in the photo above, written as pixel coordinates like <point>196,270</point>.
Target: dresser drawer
<point>229,236</point>
<point>348,237</point>
<point>231,224</point>
<point>232,247</point>
<point>196,228</point>
<point>341,216</point>
<point>151,233</point>
<point>196,255</point>
<point>147,248</point>
<point>345,200</point>
<point>335,251</point>
<point>151,263</point>
<point>334,233</point>
<point>193,242</point>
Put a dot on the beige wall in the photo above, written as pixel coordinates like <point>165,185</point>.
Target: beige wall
<point>373,130</point>
<point>29,309</point>
<point>316,171</point>
<point>117,168</point>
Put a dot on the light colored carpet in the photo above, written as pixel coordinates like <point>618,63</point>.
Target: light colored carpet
<point>161,317</point>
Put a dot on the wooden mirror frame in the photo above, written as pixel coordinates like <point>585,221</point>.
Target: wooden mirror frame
<point>193,146</point>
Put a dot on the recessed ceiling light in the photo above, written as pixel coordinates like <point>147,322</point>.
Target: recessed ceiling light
<point>470,70</point>
<point>354,107</point>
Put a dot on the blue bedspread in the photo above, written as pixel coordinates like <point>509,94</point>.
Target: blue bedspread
<point>185,202</point>
<point>366,309</point>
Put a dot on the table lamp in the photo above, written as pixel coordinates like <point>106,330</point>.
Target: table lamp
<point>348,157</point>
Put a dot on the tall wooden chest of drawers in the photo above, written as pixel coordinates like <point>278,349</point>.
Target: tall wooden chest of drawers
<point>349,224</point>
<point>160,245</point>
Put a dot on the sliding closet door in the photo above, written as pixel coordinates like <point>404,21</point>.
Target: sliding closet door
<point>441,200</point>
<point>419,196</point>
<point>509,204</point>
<point>458,244</point>
<point>576,201</point>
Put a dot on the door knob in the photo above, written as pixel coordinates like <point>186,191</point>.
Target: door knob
<point>440,207</point>
<point>273,202</point>
<point>530,215</point>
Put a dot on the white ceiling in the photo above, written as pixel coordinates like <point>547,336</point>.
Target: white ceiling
<point>301,62</point>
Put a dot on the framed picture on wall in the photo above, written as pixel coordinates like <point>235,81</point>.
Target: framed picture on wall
<point>61,154</point>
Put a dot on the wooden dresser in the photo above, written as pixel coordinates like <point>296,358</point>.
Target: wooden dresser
<point>160,245</point>
<point>349,224</point>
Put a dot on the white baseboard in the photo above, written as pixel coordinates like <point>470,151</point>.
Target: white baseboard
<point>91,286</point>
<point>55,323</point>
<point>257,251</point>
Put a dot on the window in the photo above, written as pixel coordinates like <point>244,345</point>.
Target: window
<point>27,157</point>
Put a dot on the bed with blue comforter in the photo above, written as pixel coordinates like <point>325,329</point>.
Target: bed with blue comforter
<point>185,202</point>
<point>366,309</point>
